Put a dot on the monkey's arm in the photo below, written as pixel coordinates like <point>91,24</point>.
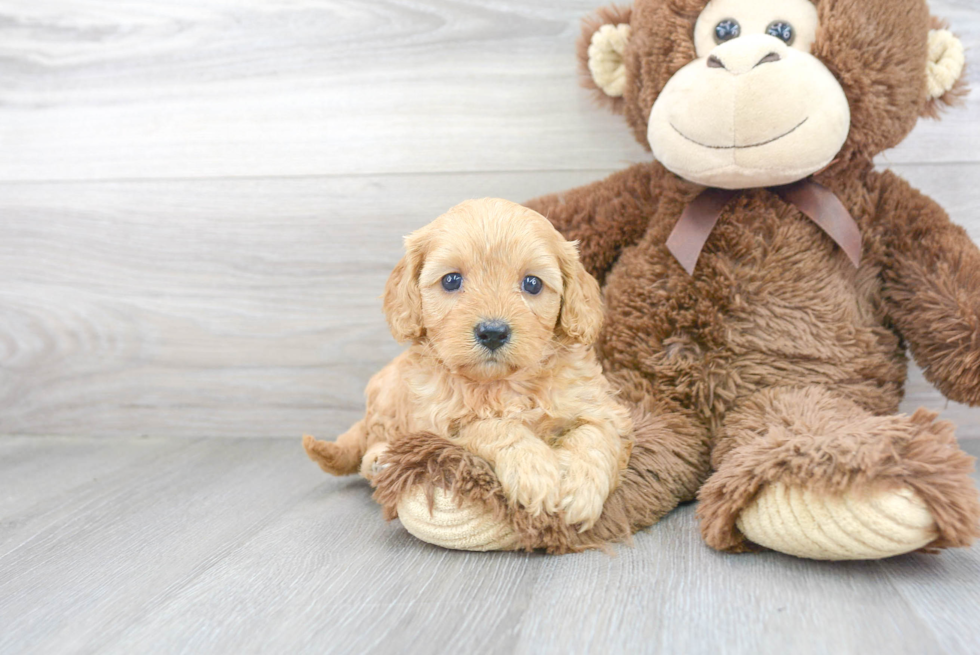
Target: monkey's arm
<point>605,216</point>
<point>931,274</point>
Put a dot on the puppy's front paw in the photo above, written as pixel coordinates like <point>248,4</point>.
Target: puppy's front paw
<point>531,480</point>
<point>583,492</point>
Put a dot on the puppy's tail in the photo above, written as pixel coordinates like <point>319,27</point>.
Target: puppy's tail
<point>341,457</point>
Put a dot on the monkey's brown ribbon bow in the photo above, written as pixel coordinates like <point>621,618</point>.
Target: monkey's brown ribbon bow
<point>817,202</point>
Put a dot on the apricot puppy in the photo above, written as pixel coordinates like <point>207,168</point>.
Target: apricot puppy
<point>501,317</point>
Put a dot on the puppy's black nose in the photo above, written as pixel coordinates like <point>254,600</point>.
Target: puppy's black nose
<point>492,334</point>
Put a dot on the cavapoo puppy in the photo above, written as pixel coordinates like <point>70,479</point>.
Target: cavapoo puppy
<point>501,317</point>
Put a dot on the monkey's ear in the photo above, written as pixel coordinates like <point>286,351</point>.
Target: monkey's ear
<point>946,82</point>
<point>601,49</point>
<point>402,298</point>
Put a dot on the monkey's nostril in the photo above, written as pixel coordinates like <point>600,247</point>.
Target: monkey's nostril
<point>714,62</point>
<point>768,59</point>
<point>492,334</point>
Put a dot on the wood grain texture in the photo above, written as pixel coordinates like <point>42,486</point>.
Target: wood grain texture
<point>118,545</point>
<point>200,200</point>
<point>240,307</point>
<point>243,546</point>
<point>98,89</point>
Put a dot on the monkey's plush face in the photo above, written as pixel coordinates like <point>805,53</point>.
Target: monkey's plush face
<point>755,108</point>
<point>755,93</point>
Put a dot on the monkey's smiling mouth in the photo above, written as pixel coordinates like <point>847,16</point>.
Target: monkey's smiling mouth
<point>734,147</point>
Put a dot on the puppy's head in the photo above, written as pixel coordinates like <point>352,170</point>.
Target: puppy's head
<point>493,288</point>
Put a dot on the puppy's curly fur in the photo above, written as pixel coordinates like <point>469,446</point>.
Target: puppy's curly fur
<point>537,408</point>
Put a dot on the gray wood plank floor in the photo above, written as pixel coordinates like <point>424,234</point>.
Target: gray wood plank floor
<point>242,545</point>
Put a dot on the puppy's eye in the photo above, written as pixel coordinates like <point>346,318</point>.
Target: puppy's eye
<point>452,281</point>
<point>782,31</point>
<point>532,285</point>
<point>727,30</point>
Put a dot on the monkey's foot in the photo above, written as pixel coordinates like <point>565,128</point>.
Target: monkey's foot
<point>800,522</point>
<point>449,525</point>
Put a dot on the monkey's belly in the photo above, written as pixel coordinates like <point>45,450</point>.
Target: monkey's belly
<point>759,312</point>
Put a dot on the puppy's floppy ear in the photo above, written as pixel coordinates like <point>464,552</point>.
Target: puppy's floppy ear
<point>581,304</point>
<point>601,54</point>
<point>945,70</point>
<point>403,299</point>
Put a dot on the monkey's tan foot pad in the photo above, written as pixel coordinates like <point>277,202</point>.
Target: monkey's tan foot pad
<point>466,527</point>
<point>799,522</point>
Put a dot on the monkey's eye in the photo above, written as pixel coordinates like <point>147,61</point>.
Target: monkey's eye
<point>727,30</point>
<point>782,31</point>
<point>451,281</point>
<point>532,285</point>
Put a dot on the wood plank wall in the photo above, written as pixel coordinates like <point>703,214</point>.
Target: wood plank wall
<point>200,200</point>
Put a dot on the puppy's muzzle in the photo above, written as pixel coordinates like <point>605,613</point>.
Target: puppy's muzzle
<point>492,334</point>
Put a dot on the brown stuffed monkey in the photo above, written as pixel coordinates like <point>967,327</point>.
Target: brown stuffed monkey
<point>763,283</point>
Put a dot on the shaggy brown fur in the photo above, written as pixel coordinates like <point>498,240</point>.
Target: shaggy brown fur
<point>777,359</point>
<point>774,304</point>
